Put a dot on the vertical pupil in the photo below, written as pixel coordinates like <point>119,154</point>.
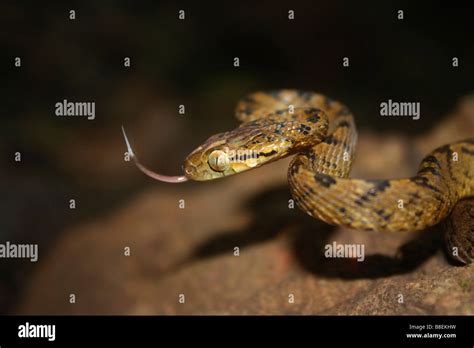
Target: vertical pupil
<point>218,160</point>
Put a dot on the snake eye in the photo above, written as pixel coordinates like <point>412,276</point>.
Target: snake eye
<point>218,160</point>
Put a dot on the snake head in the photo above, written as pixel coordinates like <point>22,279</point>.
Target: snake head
<point>219,156</point>
<point>207,165</point>
<point>256,143</point>
<point>227,153</point>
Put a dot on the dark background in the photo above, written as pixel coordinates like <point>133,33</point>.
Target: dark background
<point>191,62</point>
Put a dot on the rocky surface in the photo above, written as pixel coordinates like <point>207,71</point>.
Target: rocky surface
<point>280,269</point>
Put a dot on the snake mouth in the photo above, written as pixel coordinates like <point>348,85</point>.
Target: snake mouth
<point>160,177</point>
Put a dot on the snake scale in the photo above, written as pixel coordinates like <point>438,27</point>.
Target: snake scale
<point>322,135</point>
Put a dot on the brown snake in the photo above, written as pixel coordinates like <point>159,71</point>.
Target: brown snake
<point>321,133</point>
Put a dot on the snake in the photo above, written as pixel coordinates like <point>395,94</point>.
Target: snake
<point>321,134</point>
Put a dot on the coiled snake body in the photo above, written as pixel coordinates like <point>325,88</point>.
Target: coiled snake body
<point>322,135</point>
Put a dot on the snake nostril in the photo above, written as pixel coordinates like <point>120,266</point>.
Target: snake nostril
<point>189,169</point>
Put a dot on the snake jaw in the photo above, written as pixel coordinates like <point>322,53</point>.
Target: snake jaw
<point>163,178</point>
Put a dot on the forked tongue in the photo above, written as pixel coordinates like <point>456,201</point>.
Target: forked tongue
<point>164,178</point>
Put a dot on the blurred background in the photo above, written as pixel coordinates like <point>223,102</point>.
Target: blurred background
<point>190,62</point>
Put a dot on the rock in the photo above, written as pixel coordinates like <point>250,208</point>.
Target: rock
<point>280,269</point>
